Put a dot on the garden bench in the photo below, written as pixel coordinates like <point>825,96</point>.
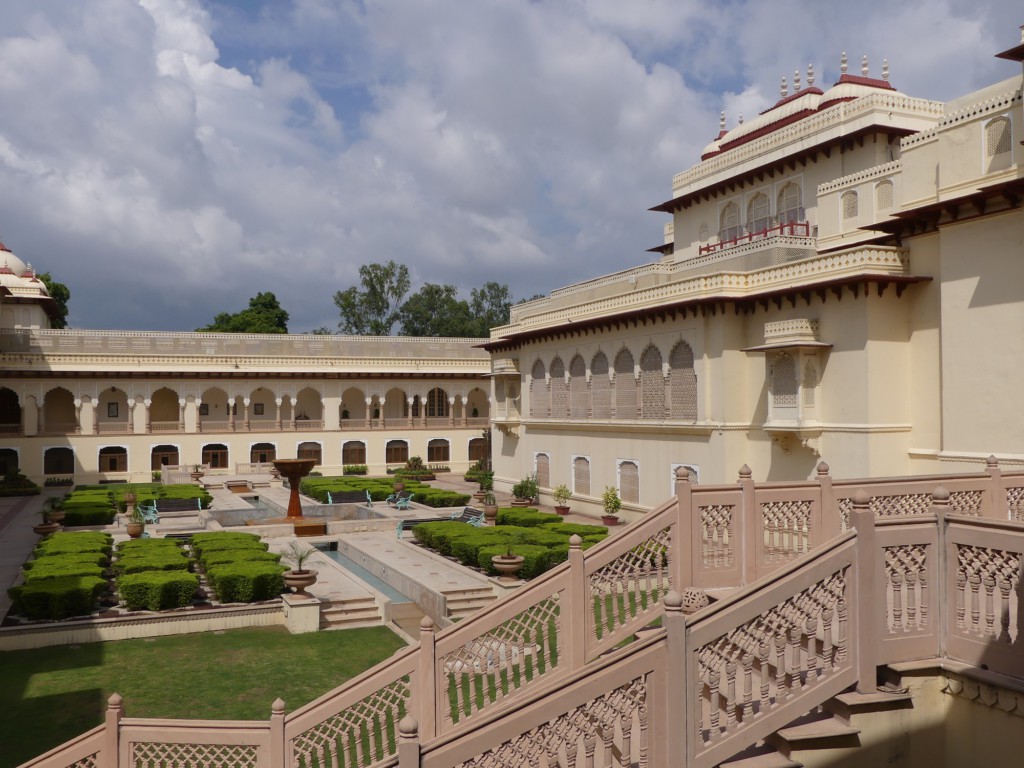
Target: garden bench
<point>350,497</point>
<point>468,515</point>
<point>400,500</point>
<point>179,505</point>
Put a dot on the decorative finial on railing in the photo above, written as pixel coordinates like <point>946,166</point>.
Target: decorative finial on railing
<point>991,461</point>
<point>426,624</point>
<point>885,69</point>
<point>783,88</point>
<point>842,63</point>
<point>810,75</point>
<point>940,495</point>
<point>575,542</point>
<point>796,81</point>
<point>408,727</point>
<point>673,601</point>
<point>745,472</point>
<point>115,701</point>
<point>822,468</point>
<point>861,498</point>
<point>277,707</point>
<point>682,474</point>
<point>864,65</point>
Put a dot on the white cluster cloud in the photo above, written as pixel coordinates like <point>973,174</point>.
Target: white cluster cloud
<point>168,159</point>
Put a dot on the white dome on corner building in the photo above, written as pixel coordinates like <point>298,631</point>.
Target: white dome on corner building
<point>11,264</point>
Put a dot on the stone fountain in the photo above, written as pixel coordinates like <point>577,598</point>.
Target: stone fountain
<point>294,470</point>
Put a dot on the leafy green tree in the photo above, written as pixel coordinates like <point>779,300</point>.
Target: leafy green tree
<point>490,307</point>
<point>60,293</point>
<point>373,309</point>
<point>436,310</point>
<point>264,315</point>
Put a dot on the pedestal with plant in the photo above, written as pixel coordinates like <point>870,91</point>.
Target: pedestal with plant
<point>524,493</point>
<point>612,504</point>
<point>299,578</point>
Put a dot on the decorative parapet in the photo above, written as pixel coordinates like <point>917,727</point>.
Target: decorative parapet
<point>982,108</point>
<point>804,130</point>
<point>879,171</point>
<point>505,366</point>
<point>795,331</point>
<point>721,284</point>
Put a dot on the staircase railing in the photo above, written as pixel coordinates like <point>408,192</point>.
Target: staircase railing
<point>819,583</point>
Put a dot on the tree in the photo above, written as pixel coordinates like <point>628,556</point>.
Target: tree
<point>264,315</point>
<point>60,294</point>
<point>435,310</point>
<point>490,307</point>
<point>373,309</point>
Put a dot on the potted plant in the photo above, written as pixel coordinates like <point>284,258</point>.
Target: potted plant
<point>47,526</point>
<point>490,507</point>
<point>562,494</point>
<point>299,577</point>
<point>197,472</point>
<point>53,510</point>
<point>129,497</point>
<point>508,565</point>
<point>136,523</point>
<point>612,504</point>
<point>525,491</point>
<point>486,480</point>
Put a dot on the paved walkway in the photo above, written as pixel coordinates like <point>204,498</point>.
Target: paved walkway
<point>17,539</point>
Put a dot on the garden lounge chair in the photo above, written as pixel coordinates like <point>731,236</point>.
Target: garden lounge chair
<point>400,500</point>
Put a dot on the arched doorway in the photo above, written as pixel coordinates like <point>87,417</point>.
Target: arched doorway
<point>262,453</point>
<point>113,458</point>
<point>58,461</point>
<point>162,456</point>
<point>215,455</point>
<point>310,451</point>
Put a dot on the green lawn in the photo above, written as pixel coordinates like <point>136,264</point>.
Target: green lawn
<point>52,694</point>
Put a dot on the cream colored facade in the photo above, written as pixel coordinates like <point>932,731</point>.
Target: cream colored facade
<point>840,281</point>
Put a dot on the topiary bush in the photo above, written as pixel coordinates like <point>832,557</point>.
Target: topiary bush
<point>526,517</point>
<point>157,590</point>
<point>583,531</point>
<point>220,540</point>
<point>215,557</point>
<point>57,598</point>
<point>85,541</point>
<point>58,568</point>
<point>163,560</point>
<point>245,582</point>
<point>83,515</point>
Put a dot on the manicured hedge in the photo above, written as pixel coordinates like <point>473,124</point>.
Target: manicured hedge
<point>88,516</point>
<point>220,540</point>
<point>57,598</point>
<point>440,498</point>
<point>148,545</point>
<point>527,517</point>
<point>93,558</point>
<point>215,557</point>
<point>157,590</point>
<point>245,582</point>
<point>585,532</point>
<point>165,560</point>
<point>86,541</point>
<point>57,568</point>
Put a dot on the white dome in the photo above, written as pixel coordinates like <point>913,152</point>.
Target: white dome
<point>11,262</point>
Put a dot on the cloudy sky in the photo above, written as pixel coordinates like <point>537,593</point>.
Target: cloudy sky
<point>169,159</point>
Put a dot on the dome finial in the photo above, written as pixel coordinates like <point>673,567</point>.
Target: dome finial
<point>783,88</point>
<point>885,69</point>
<point>864,65</point>
<point>810,75</point>
<point>741,118</point>
<point>796,81</point>
<point>721,121</point>
<point>842,63</point>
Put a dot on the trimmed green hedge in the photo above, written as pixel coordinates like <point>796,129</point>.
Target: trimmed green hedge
<point>157,590</point>
<point>220,540</point>
<point>86,541</point>
<point>74,516</point>
<point>213,558</point>
<point>57,568</point>
<point>527,517</point>
<point>246,582</point>
<point>585,532</point>
<point>148,545</point>
<point>165,560</point>
<point>440,498</point>
<point>93,558</point>
<point>57,598</point>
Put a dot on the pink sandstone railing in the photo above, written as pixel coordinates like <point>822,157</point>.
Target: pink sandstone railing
<point>819,583</point>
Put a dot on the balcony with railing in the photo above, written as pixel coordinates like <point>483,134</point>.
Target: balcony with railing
<point>791,229</point>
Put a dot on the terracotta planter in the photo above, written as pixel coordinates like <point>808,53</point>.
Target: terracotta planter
<point>298,581</point>
<point>562,510</point>
<point>45,529</point>
<point>57,516</point>
<point>520,502</point>
<point>196,476</point>
<point>508,565</point>
<point>610,520</point>
<point>491,514</point>
<point>479,496</point>
<point>135,529</point>
<point>129,499</point>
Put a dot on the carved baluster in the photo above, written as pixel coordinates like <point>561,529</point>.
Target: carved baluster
<point>460,696</point>
<point>700,709</point>
<point>912,600</point>
<point>371,737</point>
<point>990,608</point>
<point>975,581</point>
<point>625,757</point>
<point>795,645</point>
<point>770,535</point>
<point>730,694</point>
<point>551,753</point>
<point>826,645</point>
<point>843,630</point>
<point>589,747</point>
<point>644,735</point>
<point>332,747</point>
<point>521,664</point>
<point>346,749</point>
<point>716,702</point>
<point>812,649</point>
<point>606,736</point>
<point>748,686</point>
<point>781,679</point>
<point>897,602</point>
<point>1004,609</point>
<point>923,579</point>
<point>762,659</point>
<point>360,759</point>
<point>961,599</point>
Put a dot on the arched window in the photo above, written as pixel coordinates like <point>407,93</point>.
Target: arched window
<point>438,451</point>
<point>600,387</point>
<point>629,481</point>
<point>559,393</point>
<point>538,391</point>
<point>581,476</point>
<point>997,136</point>
<point>579,396</point>
<point>396,452</point>
<point>850,205</point>
<point>114,459</point>
<point>758,213</point>
<point>163,455</point>
<point>437,403</point>
<point>477,449</point>
<point>729,223</point>
<point>682,382</point>
<point>10,412</point>
<point>58,461</point>
<point>652,384</point>
<point>625,386</point>
<point>353,452</point>
<point>215,455</point>
<point>789,204</point>
<point>883,195</point>
<point>8,460</point>
<point>784,381</point>
<point>543,470</point>
<point>310,451</point>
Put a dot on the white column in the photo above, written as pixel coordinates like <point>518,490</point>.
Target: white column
<point>149,415</point>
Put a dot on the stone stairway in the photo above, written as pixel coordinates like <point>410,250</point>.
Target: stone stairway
<point>465,601</point>
<point>346,613</point>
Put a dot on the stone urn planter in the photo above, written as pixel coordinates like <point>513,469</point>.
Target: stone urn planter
<point>490,514</point>
<point>46,528</point>
<point>521,502</point>
<point>299,581</point>
<point>612,504</point>
<point>135,528</point>
<point>508,565</point>
<point>562,494</point>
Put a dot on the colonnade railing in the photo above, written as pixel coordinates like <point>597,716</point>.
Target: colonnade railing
<point>617,657</point>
